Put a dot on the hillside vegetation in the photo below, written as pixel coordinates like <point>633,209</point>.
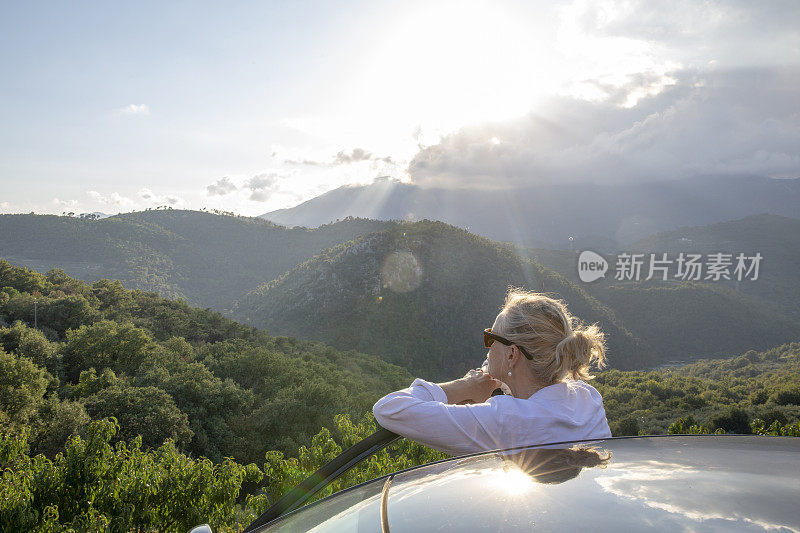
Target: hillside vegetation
<point>722,394</point>
<point>419,295</point>
<point>420,300</point>
<point>598,216</point>
<point>208,259</point>
<point>776,238</point>
<point>165,370</point>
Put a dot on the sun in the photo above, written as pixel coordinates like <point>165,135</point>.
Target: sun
<point>445,65</point>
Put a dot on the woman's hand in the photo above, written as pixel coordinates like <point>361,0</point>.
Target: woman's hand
<point>475,387</point>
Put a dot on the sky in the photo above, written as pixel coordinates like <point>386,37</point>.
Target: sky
<point>255,106</point>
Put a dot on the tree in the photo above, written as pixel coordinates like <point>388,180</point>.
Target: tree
<point>57,421</point>
<point>22,388</point>
<point>788,395</point>
<point>105,344</point>
<point>112,296</point>
<point>213,406</point>
<point>30,343</point>
<point>626,426</point>
<point>145,411</point>
<point>734,420</point>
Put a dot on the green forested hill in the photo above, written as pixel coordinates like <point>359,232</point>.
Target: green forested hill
<point>166,370</point>
<point>686,320</point>
<point>214,260</point>
<point>208,259</point>
<point>418,295</point>
<point>449,286</point>
<point>690,320</point>
<point>776,238</point>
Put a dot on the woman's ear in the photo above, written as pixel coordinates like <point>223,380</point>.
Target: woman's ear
<point>513,355</point>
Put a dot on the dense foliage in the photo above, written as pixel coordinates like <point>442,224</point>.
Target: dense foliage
<point>166,370</point>
<point>96,485</point>
<point>722,394</point>
<point>419,294</point>
<point>773,236</point>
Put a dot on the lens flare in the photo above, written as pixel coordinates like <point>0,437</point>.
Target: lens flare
<point>401,272</point>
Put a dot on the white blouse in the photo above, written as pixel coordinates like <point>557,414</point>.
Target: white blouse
<point>566,411</point>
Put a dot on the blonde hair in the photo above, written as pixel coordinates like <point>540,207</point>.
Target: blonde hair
<point>562,348</point>
<point>551,466</point>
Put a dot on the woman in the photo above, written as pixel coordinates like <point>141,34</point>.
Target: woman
<point>537,352</point>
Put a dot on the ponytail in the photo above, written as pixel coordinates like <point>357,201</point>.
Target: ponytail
<point>576,352</point>
<point>562,348</point>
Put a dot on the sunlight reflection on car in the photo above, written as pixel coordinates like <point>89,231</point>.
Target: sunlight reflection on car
<point>670,483</point>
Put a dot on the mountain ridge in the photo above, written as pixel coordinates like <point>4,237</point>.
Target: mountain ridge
<point>547,215</point>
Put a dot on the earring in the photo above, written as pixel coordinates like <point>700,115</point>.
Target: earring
<point>509,372</point>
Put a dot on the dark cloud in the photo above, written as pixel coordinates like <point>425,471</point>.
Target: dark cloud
<point>736,121</point>
<point>261,186</point>
<point>221,187</point>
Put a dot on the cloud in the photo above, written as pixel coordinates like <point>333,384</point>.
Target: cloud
<point>262,186</point>
<point>355,155</point>
<point>146,194</point>
<point>221,187</point>
<point>343,157</point>
<point>4,205</point>
<point>114,200</point>
<point>67,204</point>
<point>150,196</point>
<point>734,31</point>
<point>739,121</point>
<point>306,162</point>
<point>135,109</point>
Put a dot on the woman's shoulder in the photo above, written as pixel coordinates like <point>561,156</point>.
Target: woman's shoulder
<point>586,388</point>
<point>567,392</point>
<point>559,393</point>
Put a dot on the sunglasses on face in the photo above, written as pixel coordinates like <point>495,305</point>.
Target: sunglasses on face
<point>489,338</point>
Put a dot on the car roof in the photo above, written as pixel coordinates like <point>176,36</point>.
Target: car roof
<point>664,483</point>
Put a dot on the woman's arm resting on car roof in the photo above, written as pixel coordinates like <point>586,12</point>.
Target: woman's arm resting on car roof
<point>422,413</point>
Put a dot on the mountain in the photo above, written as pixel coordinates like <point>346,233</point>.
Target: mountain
<point>419,295</point>
<point>216,261</point>
<point>208,259</point>
<point>730,310</point>
<point>598,216</point>
<point>691,320</point>
<point>776,238</point>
